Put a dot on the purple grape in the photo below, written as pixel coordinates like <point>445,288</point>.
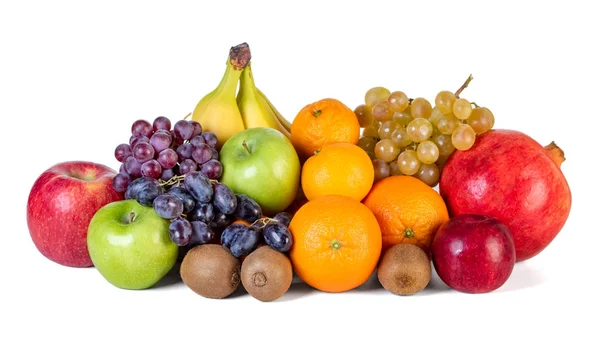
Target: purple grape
<point>221,220</point>
<point>283,218</point>
<point>223,199</point>
<point>202,153</point>
<point>160,140</point>
<point>168,158</point>
<point>197,141</point>
<point>144,190</point>
<point>151,169</point>
<point>120,182</point>
<point>197,129</point>
<point>141,127</point>
<point>176,141</point>
<point>245,241</point>
<point>187,166</point>
<point>212,169</point>
<point>202,212</point>
<point>122,168</point>
<point>134,140</point>
<point>133,167</point>
<point>278,237</point>
<point>143,152</point>
<point>161,123</point>
<point>183,130</point>
<point>180,231</point>
<point>168,206</point>
<point>185,151</point>
<point>229,234</point>
<point>215,154</point>
<point>167,174</point>
<point>122,152</point>
<point>247,209</point>
<point>201,233</point>
<point>199,186</point>
<point>186,198</point>
<point>210,138</point>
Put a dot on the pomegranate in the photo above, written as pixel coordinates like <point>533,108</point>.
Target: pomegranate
<point>509,176</point>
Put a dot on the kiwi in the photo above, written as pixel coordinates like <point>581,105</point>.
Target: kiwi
<point>266,274</point>
<point>404,269</point>
<point>211,271</point>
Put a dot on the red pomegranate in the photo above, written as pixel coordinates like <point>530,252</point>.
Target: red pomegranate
<point>510,176</point>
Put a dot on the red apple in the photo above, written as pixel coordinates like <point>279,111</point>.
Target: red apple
<point>509,176</point>
<point>61,204</point>
<point>473,253</point>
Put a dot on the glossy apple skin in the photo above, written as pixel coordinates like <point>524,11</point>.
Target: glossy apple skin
<point>268,171</point>
<point>61,204</point>
<point>473,253</point>
<point>508,175</point>
<point>131,255</point>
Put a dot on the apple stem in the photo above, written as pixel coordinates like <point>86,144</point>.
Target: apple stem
<point>245,145</point>
<point>555,153</point>
<point>464,86</point>
<point>131,217</point>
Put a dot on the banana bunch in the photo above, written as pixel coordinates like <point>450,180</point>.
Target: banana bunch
<point>226,113</point>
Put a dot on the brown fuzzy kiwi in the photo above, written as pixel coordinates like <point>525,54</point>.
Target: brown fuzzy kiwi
<point>266,274</point>
<point>405,269</point>
<point>211,271</point>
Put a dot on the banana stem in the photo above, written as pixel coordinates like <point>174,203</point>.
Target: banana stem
<point>239,56</point>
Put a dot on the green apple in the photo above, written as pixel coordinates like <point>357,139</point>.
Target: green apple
<point>130,245</point>
<point>263,164</point>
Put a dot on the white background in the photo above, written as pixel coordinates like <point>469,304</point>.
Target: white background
<point>75,75</point>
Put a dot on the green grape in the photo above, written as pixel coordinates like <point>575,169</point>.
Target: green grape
<point>371,131</point>
<point>481,120</point>
<point>408,162</point>
<point>428,152</point>
<point>429,174</point>
<point>398,101</point>
<point>445,101</point>
<point>403,117</point>
<point>363,115</point>
<point>420,108</point>
<point>419,130</point>
<point>462,108</point>
<point>381,112</point>
<point>394,169</point>
<point>400,137</point>
<point>444,144</point>
<point>376,95</point>
<point>386,150</point>
<point>436,114</point>
<point>463,137</point>
<point>367,143</point>
<point>386,129</point>
<point>382,169</point>
<point>447,124</point>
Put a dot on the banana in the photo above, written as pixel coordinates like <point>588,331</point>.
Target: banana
<point>218,111</point>
<point>286,124</point>
<point>255,111</point>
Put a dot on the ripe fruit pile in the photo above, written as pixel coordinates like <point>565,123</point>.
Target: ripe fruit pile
<point>406,136</point>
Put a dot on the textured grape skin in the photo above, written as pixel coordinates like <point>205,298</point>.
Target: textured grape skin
<point>199,186</point>
<point>187,165</point>
<point>278,237</point>
<point>168,206</point>
<point>284,218</point>
<point>141,128</point>
<point>202,212</point>
<point>161,123</point>
<point>133,167</point>
<point>160,140</point>
<point>186,198</point>
<point>247,208</point>
<point>151,169</point>
<point>133,140</point>
<point>148,192</point>
<point>221,220</point>
<point>197,127</point>
<point>202,153</point>
<point>184,151</point>
<point>183,130</point>
<point>197,140</point>
<point>139,184</point>
<point>122,151</point>
<point>245,241</point>
<point>212,169</point>
<point>201,233</point>
<point>210,138</point>
<point>180,231</point>
<point>229,233</point>
<point>120,182</point>
<point>223,199</point>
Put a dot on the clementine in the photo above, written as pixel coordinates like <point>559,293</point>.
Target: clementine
<point>407,210</point>
<point>338,168</point>
<point>337,243</point>
<point>323,122</point>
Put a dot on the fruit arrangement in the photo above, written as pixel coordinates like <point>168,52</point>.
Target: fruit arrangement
<point>239,196</point>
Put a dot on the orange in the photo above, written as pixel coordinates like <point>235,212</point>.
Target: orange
<point>337,243</point>
<point>338,168</point>
<point>323,122</point>
<point>407,210</point>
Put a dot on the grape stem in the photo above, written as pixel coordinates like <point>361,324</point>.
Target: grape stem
<point>264,221</point>
<point>174,180</point>
<point>188,115</point>
<point>474,104</point>
<point>464,86</point>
